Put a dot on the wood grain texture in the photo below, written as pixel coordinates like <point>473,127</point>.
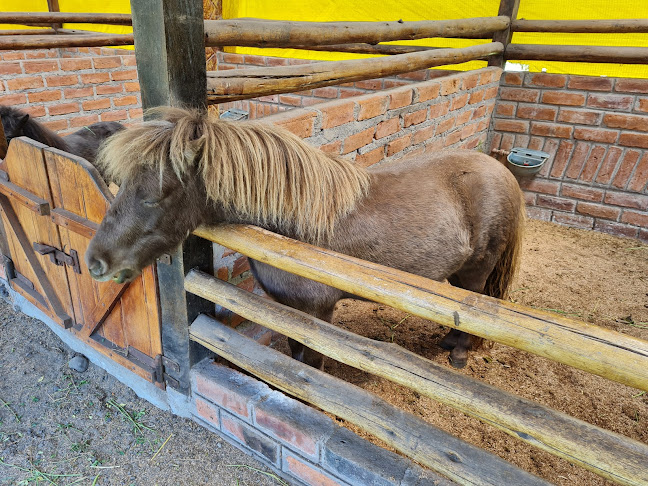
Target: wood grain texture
<point>585,346</point>
<point>277,33</point>
<point>408,434</point>
<point>608,26</point>
<point>235,84</point>
<point>509,9</point>
<point>64,17</point>
<point>37,41</point>
<point>604,54</point>
<point>605,453</point>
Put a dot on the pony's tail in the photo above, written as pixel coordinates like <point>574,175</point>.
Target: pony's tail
<point>498,283</point>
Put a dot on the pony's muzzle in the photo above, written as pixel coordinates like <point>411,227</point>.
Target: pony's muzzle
<point>97,268</point>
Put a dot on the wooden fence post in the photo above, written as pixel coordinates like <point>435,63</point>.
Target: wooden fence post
<point>170,52</point>
<point>508,8</point>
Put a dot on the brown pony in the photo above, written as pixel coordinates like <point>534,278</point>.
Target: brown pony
<point>455,215</point>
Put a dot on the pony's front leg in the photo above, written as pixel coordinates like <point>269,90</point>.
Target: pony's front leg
<point>307,355</point>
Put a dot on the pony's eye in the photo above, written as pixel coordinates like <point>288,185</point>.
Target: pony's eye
<point>151,203</point>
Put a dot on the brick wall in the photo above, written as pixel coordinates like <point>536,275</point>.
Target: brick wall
<point>453,111</point>
<point>71,88</point>
<point>298,442</point>
<point>596,130</point>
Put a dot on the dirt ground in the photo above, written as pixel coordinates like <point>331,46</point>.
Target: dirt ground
<point>61,427</point>
<point>591,276</point>
<point>58,426</point>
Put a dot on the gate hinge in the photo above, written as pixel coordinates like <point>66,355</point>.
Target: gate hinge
<point>59,257</point>
<point>157,366</point>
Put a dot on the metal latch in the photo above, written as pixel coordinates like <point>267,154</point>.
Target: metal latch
<point>59,257</point>
<point>156,366</point>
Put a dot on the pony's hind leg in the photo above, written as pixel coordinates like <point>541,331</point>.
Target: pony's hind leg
<point>307,355</point>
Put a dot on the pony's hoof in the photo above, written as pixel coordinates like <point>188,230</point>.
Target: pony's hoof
<point>449,341</point>
<point>458,363</point>
<point>458,357</point>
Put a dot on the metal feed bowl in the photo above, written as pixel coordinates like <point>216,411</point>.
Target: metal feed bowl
<point>526,162</point>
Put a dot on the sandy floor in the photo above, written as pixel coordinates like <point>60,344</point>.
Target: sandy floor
<point>591,276</point>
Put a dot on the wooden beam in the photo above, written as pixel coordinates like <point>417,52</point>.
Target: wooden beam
<point>230,85</point>
<point>364,48</point>
<point>408,434</point>
<point>171,68</point>
<point>584,346</point>
<point>27,32</point>
<point>39,41</point>
<point>33,18</point>
<point>53,6</point>
<point>605,453</point>
<point>273,33</point>
<point>619,26</point>
<point>508,8</point>
<point>604,54</point>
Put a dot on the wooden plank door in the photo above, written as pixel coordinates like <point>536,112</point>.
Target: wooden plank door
<point>25,202</point>
<point>121,321</point>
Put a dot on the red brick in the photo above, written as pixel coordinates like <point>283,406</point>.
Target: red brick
<point>307,474</point>
<point>387,127</point>
<point>369,158</point>
<point>562,158</point>
<point>537,112</point>
<point>469,130</point>
<point>25,83</point>
<point>553,202</point>
<point>290,100</point>
<point>7,68</point>
<point>13,99</point>
<point>357,140</point>
<point>76,64</point>
<point>505,109</point>
<point>476,97</point>
<point>610,101</point>
<point>398,145</point>
<point>545,80</point>
<point>514,79</point>
<point>400,99</point>
<point>609,164</point>
<point>372,107</point>
<point>420,75</point>
<point>41,96</point>
<point>423,134</point>
<point>519,94</point>
<point>247,284</point>
<point>592,164</point>
<point>63,109</point>
<point>94,78</point>
<point>249,437</point>
<point>100,104</point>
<point>643,235</point>
<point>39,54</point>
<point>233,58</point>
<point>108,89</point>
<point>129,60</point>
<point>580,117</point>
<point>337,114</point>
<point>107,62</point>
<point>256,60</point>
<point>471,81</point>
<point>551,130</point>
<point>428,92</point>
<point>57,125</point>
<point>573,220</point>
<point>444,126</point>
<point>536,144</point>
<point>116,115</point>
<point>71,93</point>
<point>625,169</point>
<point>632,85</point>
<point>125,101</point>
<point>615,228</point>
<point>334,147</point>
<point>642,104</point>
<point>459,101</point>
<point>634,201</point>
<point>208,412</point>
<point>640,177</point>
<point>65,80</point>
<point>414,118</point>
<point>628,122</point>
<point>598,211</point>
<point>135,113</point>
<point>517,126</point>
<point>277,61</point>
<point>464,117</point>
<point>12,56</point>
<point>585,193</point>
<point>370,84</point>
<point>635,218</point>
<point>551,147</point>
<point>438,110</point>
<point>634,139</point>
<point>595,134</point>
<point>577,160</point>
<point>128,87</point>
<point>590,83</point>
<point>563,98</point>
<point>82,121</point>
<point>32,67</point>
<point>452,138</point>
<point>124,75</point>
<point>542,186</point>
<point>326,92</point>
<point>302,125</point>
<point>450,86</point>
<point>479,112</point>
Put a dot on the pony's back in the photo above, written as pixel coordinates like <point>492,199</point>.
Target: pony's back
<point>17,123</point>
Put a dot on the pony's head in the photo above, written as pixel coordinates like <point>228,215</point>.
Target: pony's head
<point>13,121</point>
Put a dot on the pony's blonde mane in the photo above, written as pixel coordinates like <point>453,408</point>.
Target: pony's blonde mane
<point>261,172</point>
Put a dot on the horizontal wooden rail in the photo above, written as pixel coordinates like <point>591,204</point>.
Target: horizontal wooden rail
<point>591,348</point>
<point>604,54</point>
<point>364,48</point>
<point>618,26</point>
<point>276,33</point>
<point>28,32</point>
<point>238,84</point>
<point>37,41</point>
<point>25,198</point>
<point>426,444</point>
<point>608,454</point>
<point>33,18</point>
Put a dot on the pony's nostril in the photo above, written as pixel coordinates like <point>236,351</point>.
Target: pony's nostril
<point>97,267</point>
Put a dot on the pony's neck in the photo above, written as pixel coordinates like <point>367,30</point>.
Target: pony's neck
<point>41,133</point>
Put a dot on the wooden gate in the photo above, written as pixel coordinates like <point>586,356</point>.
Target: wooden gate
<point>52,203</point>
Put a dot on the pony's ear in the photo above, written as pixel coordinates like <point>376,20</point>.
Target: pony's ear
<point>193,148</point>
<point>22,120</point>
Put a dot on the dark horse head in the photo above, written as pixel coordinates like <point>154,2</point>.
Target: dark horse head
<point>17,123</point>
